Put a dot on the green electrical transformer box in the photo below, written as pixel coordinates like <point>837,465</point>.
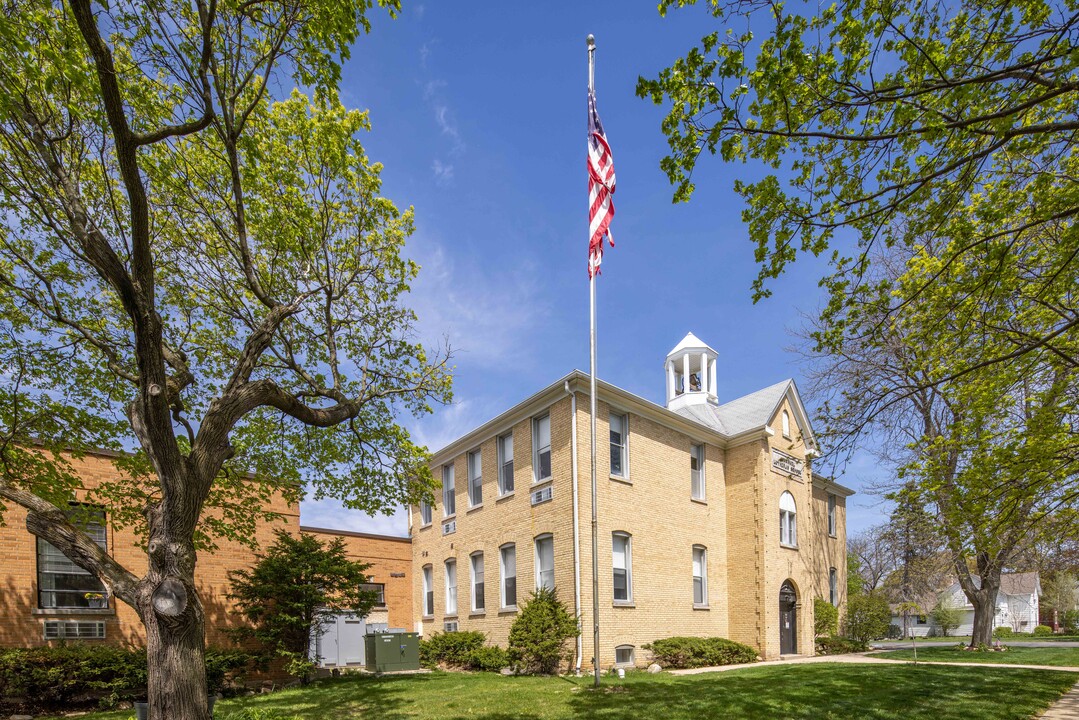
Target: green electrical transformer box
<point>387,652</point>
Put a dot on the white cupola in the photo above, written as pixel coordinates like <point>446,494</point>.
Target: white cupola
<point>691,374</point>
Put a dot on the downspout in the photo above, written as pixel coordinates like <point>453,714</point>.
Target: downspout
<point>576,527</point>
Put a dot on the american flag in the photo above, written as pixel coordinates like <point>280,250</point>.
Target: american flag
<point>600,187</point>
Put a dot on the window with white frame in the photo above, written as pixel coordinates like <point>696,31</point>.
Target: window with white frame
<point>700,575</point>
<point>507,560</point>
<point>476,561</point>
<point>63,584</point>
<point>505,464</point>
<point>696,471</point>
<point>449,492</point>
<point>622,563</point>
<point>541,448</point>
<point>545,562</point>
<point>623,655</point>
<point>379,590</point>
<point>425,513</point>
<point>428,592</point>
<point>786,425</point>
<point>451,587</point>
<point>475,479</point>
<point>619,454</point>
<point>833,591</point>
<point>831,514</point>
<point>788,524</point>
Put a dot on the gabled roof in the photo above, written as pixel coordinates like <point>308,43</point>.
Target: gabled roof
<point>752,411</point>
<point>1020,583</point>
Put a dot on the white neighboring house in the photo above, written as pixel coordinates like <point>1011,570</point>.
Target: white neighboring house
<point>1017,607</point>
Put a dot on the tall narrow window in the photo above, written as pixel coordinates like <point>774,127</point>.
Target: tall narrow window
<point>700,575</point>
<point>451,587</point>
<point>622,562</point>
<point>545,562</point>
<point>425,512</point>
<point>619,456</point>
<point>505,464</point>
<point>788,525</point>
<point>428,592</point>
<point>449,492</point>
<point>786,425</point>
<point>475,479</point>
<point>63,584</point>
<point>831,514</point>
<point>833,592</point>
<point>696,471</point>
<point>541,448</point>
<point>478,604</point>
<point>507,558</point>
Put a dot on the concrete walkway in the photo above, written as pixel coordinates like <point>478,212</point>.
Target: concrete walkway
<point>1066,708</point>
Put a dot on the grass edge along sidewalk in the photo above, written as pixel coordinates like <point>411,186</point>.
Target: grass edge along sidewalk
<point>821,690</point>
<point>1014,655</point>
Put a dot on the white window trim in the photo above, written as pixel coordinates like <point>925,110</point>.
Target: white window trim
<point>788,522</point>
<point>624,475</point>
<point>704,575</point>
<point>537,449</point>
<point>619,534</point>
<point>632,656</point>
<point>449,490</point>
<point>428,592</point>
<point>472,501</point>
<point>451,587</point>
<point>786,423</point>
<point>429,520</point>
<point>502,577</point>
<point>833,523</point>
<point>472,582</point>
<point>703,496</point>
<point>833,586</point>
<point>502,491</point>
<point>546,537</point>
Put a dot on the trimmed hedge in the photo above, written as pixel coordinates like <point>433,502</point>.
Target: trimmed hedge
<point>464,650</point>
<point>693,652</point>
<point>1003,631</point>
<point>838,645</point>
<point>79,675</point>
<point>1043,631</point>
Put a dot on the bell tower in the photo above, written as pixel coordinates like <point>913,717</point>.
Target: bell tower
<point>691,374</point>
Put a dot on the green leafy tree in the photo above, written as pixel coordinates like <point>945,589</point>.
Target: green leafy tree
<point>946,616</point>
<point>886,123</point>
<point>203,271</point>
<point>868,618</point>
<point>540,633</point>
<point>295,589</point>
<point>912,533</point>
<point>855,581</point>
<point>1060,596</point>
<point>825,618</point>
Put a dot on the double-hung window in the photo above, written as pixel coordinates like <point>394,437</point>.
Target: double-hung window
<point>696,471</point>
<point>379,589</point>
<point>425,513</point>
<point>449,492</point>
<point>507,559</point>
<point>833,589</point>
<point>476,560</point>
<point>541,448</point>
<point>475,479</point>
<point>505,464</point>
<point>831,514</point>
<point>428,592</point>
<point>545,562</point>
<point>700,575</point>
<point>63,584</point>
<point>788,524</point>
<point>622,563</point>
<point>619,454</point>
<point>451,587</point>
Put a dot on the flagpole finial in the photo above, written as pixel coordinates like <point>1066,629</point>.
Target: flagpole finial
<point>591,40</point>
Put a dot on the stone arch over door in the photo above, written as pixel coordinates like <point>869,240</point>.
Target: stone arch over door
<point>788,619</point>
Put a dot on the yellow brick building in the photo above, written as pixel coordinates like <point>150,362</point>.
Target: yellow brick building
<point>710,520</point>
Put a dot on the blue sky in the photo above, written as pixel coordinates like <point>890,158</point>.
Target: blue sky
<point>478,114</point>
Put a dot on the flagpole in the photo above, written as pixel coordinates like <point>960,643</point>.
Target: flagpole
<point>592,405</point>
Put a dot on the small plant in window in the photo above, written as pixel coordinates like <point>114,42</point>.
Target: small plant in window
<point>95,599</point>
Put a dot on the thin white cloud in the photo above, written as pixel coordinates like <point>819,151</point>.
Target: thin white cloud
<point>425,52</point>
<point>443,173</point>
<point>418,11</point>
<point>448,125</point>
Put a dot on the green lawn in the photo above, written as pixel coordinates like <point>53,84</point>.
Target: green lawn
<point>1016,638</point>
<point>1058,656</point>
<point>819,691</point>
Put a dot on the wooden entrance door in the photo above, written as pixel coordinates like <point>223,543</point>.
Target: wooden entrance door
<point>788,619</point>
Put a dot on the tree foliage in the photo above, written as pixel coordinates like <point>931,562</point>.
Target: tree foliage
<point>203,270</point>
<point>946,616</point>
<point>868,618</point>
<point>540,633</point>
<point>891,122</point>
<point>825,618</point>
<point>295,588</point>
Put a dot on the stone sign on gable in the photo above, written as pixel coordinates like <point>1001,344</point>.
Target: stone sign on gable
<point>787,464</point>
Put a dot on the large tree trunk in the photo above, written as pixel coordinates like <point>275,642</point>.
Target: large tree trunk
<point>984,601</point>
<point>175,630</point>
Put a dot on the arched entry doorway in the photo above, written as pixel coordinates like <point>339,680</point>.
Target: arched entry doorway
<point>788,619</point>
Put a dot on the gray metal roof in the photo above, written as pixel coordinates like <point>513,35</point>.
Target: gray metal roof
<point>745,413</point>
